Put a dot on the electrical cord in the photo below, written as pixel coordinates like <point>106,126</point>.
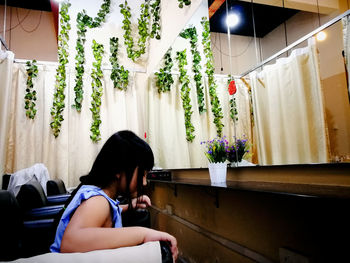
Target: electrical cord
<point>232,56</point>
<point>35,28</point>
<point>11,28</point>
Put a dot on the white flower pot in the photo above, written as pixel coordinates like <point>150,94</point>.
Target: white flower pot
<point>217,172</point>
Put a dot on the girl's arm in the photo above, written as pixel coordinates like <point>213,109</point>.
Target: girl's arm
<point>89,229</point>
<point>141,202</point>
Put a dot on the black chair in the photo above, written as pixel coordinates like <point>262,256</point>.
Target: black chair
<point>5,181</point>
<point>34,203</point>
<point>22,238</point>
<point>56,187</point>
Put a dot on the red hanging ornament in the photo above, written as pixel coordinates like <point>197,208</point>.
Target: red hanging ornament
<point>232,87</point>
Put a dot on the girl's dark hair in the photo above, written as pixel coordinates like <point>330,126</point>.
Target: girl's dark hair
<point>121,153</point>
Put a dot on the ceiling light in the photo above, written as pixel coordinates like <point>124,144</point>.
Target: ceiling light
<point>232,20</point>
<point>321,36</point>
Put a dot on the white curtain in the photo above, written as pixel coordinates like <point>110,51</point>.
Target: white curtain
<point>346,40</point>
<point>167,134</point>
<point>6,66</point>
<point>141,109</point>
<point>288,110</point>
<point>72,153</point>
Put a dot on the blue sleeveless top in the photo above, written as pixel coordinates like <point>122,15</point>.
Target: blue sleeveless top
<point>84,193</point>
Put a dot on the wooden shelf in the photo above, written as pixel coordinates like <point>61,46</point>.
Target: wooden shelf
<point>288,189</point>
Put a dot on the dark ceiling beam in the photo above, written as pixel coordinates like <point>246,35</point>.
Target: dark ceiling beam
<point>214,7</point>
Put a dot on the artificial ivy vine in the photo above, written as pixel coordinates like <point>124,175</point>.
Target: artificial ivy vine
<point>143,24</point>
<point>185,94</point>
<point>155,11</point>
<point>214,100</point>
<point>232,92</point>
<point>30,97</point>
<point>84,21</point>
<point>96,84</point>
<point>184,2</point>
<point>119,75</point>
<point>58,100</point>
<point>191,33</point>
<point>164,76</point>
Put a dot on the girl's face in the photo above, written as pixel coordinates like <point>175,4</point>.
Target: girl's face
<point>133,183</point>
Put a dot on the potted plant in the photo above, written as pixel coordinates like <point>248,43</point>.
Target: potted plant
<point>237,150</point>
<point>216,152</point>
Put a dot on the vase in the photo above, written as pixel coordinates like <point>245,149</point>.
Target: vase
<point>217,172</point>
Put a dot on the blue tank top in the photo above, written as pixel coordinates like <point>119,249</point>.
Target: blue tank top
<point>84,193</point>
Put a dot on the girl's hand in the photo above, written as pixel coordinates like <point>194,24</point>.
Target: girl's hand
<point>141,202</point>
<point>154,235</point>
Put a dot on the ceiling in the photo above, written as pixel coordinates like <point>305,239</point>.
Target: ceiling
<point>43,5</point>
<point>266,18</point>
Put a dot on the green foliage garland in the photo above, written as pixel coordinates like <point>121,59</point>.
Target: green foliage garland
<point>233,105</point>
<point>164,76</point>
<point>214,100</point>
<point>155,11</point>
<point>30,97</point>
<point>84,21</point>
<point>191,33</point>
<point>185,94</point>
<point>58,100</point>
<point>96,84</point>
<point>184,2</point>
<point>143,23</point>
<point>119,75</point>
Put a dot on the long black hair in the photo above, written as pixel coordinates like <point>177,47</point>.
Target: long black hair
<point>121,153</point>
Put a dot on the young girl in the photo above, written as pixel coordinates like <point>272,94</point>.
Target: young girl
<point>92,219</point>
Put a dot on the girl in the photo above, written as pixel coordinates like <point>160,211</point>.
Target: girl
<point>92,219</point>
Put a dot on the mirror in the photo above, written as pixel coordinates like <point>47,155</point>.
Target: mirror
<point>300,97</point>
<point>266,28</point>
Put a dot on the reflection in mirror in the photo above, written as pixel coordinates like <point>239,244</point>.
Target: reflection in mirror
<point>297,118</point>
<point>300,102</point>
<point>172,113</point>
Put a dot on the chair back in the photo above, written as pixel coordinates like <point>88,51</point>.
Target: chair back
<point>31,195</point>
<point>55,187</point>
<point>10,226</point>
<point>5,181</point>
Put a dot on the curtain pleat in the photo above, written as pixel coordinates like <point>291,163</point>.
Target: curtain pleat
<point>288,110</point>
<point>6,68</point>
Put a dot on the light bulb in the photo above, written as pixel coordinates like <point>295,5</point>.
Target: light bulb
<point>321,36</point>
<point>232,20</point>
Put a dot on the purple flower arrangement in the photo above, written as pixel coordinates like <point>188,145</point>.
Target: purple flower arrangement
<point>216,150</point>
<point>237,150</point>
<point>219,150</point>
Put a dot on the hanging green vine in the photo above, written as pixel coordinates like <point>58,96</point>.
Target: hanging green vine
<point>184,2</point>
<point>191,33</point>
<point>143,24</point>
<point>214,100</point>
<point>119,75</point>
<point>155,11</point>
<point>30,97</point>
<point>83,22</point>
<point>185,94</point>
<point>232,91</point>
<point>58,100</point>
<point>164,76</point>
<point>96,84</point>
